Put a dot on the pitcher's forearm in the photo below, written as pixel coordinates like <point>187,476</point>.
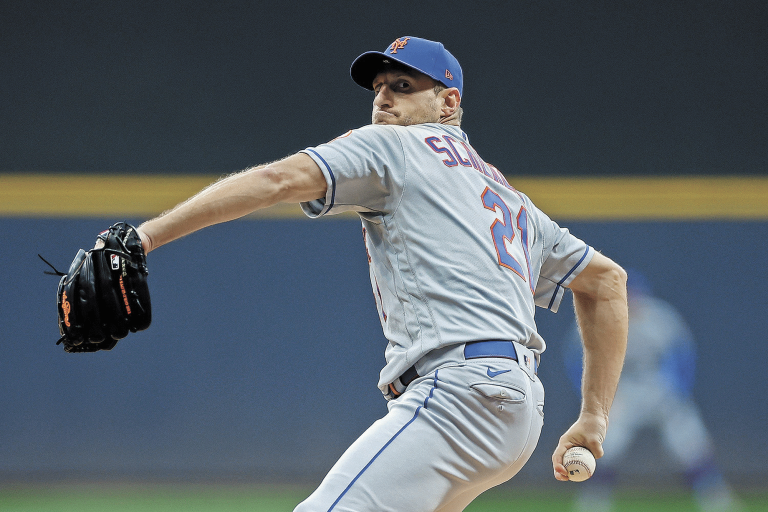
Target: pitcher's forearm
<point>600,299</point>
<point>603,320</point>
<point>227,199</point>
<point>293,179</point>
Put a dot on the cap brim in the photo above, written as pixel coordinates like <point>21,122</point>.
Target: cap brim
<point>365,68</point>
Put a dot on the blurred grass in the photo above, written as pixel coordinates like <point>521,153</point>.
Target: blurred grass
<point>149,498</point>
<point>214,498</point>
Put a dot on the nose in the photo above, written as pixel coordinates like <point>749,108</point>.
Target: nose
<point>383,98</point>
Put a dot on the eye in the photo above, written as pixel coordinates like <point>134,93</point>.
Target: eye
<point>402,85</point>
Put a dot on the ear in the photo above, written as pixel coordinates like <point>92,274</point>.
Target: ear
<point>451,99</point>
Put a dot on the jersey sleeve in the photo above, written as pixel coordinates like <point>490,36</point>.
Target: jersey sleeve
<point>364,169</point>
<point>565,256</point>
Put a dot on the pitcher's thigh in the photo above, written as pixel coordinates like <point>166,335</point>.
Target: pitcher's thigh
<point>440,440</point>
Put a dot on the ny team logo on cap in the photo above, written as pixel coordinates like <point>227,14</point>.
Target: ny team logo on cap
<point>398,45</point>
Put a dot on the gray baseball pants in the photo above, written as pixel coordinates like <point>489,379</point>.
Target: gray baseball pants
<point>452,435</point>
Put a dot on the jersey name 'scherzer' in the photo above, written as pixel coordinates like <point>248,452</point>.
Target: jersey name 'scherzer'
<point>456,253</point>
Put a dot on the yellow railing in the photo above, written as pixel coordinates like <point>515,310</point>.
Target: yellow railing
<point>574,198</point>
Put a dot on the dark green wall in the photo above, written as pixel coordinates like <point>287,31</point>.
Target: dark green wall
<point>550,87</point>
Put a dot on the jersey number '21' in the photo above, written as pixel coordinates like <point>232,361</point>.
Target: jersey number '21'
<point>502,232</point>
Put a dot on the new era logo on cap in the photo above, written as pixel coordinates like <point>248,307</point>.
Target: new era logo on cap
<point>428,57</point>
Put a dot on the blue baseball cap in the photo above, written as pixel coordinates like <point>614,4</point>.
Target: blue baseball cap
<point>429,57</point>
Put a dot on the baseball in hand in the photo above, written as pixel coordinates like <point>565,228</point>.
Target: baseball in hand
<point>579,462</point>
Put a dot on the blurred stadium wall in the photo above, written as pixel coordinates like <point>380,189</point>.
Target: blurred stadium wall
<point>642,127</point>
<point>263,356</point>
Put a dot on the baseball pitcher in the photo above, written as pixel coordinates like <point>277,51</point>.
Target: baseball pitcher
<point>458,261</point>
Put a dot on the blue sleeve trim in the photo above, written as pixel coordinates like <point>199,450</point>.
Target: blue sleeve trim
<point>560,284</point>
<point>330,173</point>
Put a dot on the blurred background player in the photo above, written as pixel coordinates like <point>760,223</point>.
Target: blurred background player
<point>656,392</point>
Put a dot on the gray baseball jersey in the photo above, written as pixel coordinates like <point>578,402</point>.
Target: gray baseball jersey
<point>456,253</point>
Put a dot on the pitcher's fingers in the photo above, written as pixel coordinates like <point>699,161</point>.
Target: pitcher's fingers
<point>557,463</point>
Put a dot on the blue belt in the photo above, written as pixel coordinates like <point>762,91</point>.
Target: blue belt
<point>506,349</point>
<point>474,350</point>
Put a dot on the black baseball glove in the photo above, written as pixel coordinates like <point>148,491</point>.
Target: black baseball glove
<point>104,295</point>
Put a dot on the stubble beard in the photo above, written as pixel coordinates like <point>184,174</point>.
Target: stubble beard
<point>429,114</point>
